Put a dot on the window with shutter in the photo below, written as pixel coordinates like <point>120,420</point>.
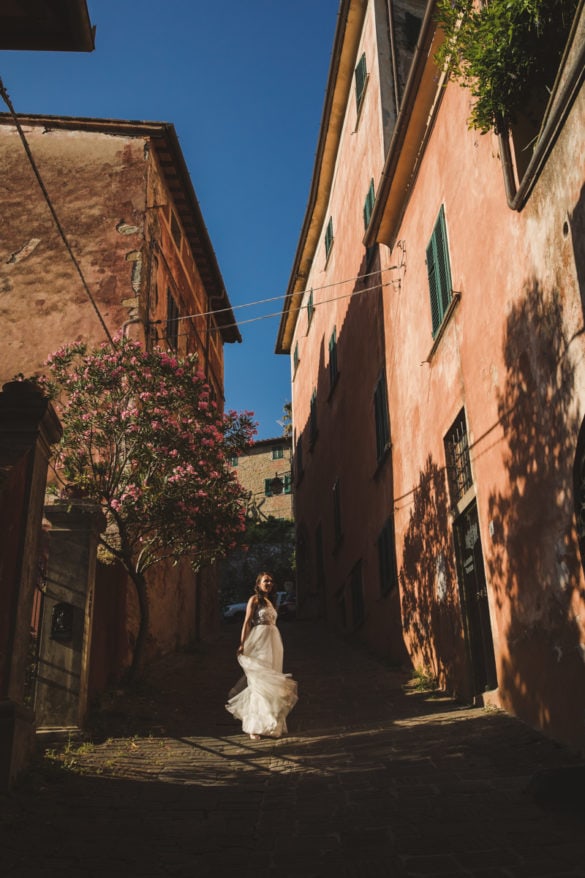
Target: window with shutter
<point>387,557</point>
<point>369,204</point>
<point>382,417</point>
<point>361,76</point>
<point>439,272</point>
<point>313,428</point>
<point>333,373</point>
<point>329,237</point>
<point>310,310</point>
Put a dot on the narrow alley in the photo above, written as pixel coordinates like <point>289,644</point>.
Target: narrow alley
<point>374,779</point>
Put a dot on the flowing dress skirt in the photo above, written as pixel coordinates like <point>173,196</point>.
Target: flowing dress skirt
<point>264,697</point>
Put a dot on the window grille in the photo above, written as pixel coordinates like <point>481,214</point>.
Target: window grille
<point>458,459</point>
<point>382,417</point>
<point>361,77</point>
<point>329,237</point>
<point>172,327</point>
<point>369,204</point>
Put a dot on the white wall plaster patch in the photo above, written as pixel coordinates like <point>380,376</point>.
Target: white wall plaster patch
<point>24,251</point>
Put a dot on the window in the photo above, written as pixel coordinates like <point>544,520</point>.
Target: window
<point>268,492</point>
<point>357,595</point>
<point>328,238</point>
<point>382,417</point>
<point>458,459</point>
<point>233,461</point>
<point>313,427</point>
<point>387,557</point>
<point>439,272</point>
<point>295,358</point>
<point>361,79</point>
<point>369,204</point>
<point>277,453</point>
<point>337,531</point>
<point>298,461</point>
<point>310,310</point>
<point>319,557</point>
<point>287,483</point>
<point>172,328</point>
<point>333,372</point>
<point>176,230</point>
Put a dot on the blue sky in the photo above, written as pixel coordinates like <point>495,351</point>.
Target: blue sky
<point>244,85</point>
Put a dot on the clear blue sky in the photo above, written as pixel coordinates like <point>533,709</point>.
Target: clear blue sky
<point>244,85</point>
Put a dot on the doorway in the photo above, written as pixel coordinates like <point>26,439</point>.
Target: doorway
<point>474,600</point>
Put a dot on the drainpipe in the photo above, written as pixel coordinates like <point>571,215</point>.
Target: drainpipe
<point>393,55</point>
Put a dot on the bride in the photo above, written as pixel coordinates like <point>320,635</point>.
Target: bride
<point>264,697</point>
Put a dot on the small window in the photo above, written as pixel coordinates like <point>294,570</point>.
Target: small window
<point>439,272</point>
<point>176,230</point>
<point>313,426</point>
<point>277,453</point>
<point>287,483</point>
<point>310,310</point>
<point>337,530</point>
<point>382,417</point>
<point>357,595</point>
<point>387,557</point>
<point>361,78</point>
<point>369,204</point>
<point>296,358</point>
<point>329,238</point>
<point>298,461</point>
<point>333,372</point>
<point>172,327</point>
<point>458,459</point>
<point>233,461</point>
<point>268,492</point>
<point>319,558</point>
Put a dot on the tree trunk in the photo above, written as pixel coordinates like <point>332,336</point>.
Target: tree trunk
<point>139,581</point>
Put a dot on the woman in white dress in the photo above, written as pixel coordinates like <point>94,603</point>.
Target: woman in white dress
<point>264,697</point>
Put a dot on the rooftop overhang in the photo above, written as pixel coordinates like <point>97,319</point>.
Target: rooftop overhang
<point>350,20</point>
<point>46,25</point>
<point>422,96</point>
<point>164,140</point>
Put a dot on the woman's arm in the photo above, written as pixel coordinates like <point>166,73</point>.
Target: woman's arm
<point>247,623</point>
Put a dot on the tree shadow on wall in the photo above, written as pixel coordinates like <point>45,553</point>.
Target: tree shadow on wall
<point>534,564</point>
<point>431,611</point>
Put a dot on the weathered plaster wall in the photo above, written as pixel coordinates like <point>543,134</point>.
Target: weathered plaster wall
<point>512,355</point>
<point>353,308</point>
<point>97,185</point>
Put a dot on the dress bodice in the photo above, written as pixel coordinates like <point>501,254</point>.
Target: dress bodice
<point>265,615</point>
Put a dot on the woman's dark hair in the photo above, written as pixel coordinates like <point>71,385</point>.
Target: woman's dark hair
<point>260,596</point>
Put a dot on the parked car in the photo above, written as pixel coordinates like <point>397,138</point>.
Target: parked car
<point>284,601</point>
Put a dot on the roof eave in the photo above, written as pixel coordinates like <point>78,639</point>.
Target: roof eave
<point>345,45</point>
<point>58,26</point>
<point>423,92</point>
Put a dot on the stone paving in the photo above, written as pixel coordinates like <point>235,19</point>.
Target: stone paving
<point>374,779</point>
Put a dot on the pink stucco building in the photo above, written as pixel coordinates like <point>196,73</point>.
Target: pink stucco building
<point>123,195</point>
<point>472,498</point>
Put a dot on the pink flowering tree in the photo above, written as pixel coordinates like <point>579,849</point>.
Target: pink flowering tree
<point>143,438</point>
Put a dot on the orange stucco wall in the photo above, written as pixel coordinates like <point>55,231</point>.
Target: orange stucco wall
<point>111,197</point>
<point>345,446</point>
<point>512,356</point>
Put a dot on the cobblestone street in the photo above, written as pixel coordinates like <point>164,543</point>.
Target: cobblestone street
<point>374,779</point>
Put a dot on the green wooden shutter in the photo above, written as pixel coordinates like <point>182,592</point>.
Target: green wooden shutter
<point>361,74</point>
<point>268,487</point>
<point>439,271</point>
<point>329,237</point>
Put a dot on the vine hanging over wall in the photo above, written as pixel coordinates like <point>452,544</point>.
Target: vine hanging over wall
<point>507,52</point>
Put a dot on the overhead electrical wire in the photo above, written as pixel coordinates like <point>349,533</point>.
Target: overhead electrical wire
<point>6,98</point>
<point>337,283</point>
<point>351,295</point>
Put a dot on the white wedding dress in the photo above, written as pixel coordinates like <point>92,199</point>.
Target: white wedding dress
<point>264,697</point>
